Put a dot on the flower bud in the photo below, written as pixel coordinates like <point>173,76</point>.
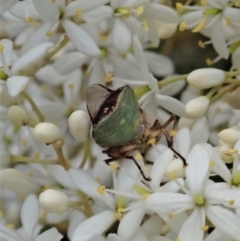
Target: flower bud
<point>197,107</point>
<point>227,154</point>
<point>54,201</point>
<point>18,181</point>
<point>46,133</point>
<point>18,116</point>
<point>79,125</point>
<point>229,136</point>
<point>206,78</point>
<point>175,169</point>
<point>5,157</point>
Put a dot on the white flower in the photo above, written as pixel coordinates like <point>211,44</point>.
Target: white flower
<point>29,218</point>
<point>229,136</point>
<point>27,64</point>
<point>54,13</point>
<point>200,196</point>
<point>18,181</point>
<point>17,115</point>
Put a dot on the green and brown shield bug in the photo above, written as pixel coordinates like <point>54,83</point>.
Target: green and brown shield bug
<point>115,115</point>
<point>120,126</point>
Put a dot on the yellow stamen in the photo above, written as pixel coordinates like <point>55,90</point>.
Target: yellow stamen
<point>211,163</point>
<point>101,189</point>
<point>151,141</point>
<point>228,21</point>
<point>145,196</point>
<point>45,187</point>
<point>45,87</point>
<point>1,48</point>
<point>140,10</point>
<point>173,132</point>
<point>209,62</point>
<point>21,196</point>
<point>114,166</point>
<point>37,155</point>
<point>141,190</point>
<point>138,157</point>
<point>118,216</point>
<point>201,44</point>
<point>170,215</point>
<point>70,86</point>
<point>231,202</point>
<point>145,25</point>
<point>98,179</point>
<point>49,33</point>
<point>104,36</point>
<point>233,151</point>
<point>205,228</point>
<point>121,202</point>
<point>121,210</point>
<point>31,174</point>
<point>124,11</point>
<point>53,1</point>
<point>203,2</point>
<point>172,175</point>
<point>1,213</point>
<point>10,226</point>
<point>200,26</point>
<point>79,12</point>
<point>179,7</point>
<point>24,142</point>
<point>29,19</point>
<point>182,26</point>
<point>108,78</point>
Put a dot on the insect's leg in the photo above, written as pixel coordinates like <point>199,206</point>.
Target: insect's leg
<point>169,138</point>
<point>140,169</point>
<point>108,161</point>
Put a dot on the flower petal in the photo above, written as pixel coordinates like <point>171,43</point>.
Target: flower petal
<point>120,36</point>
<point>80,39</point>
<point>192,227</point>
<point>32,57</point>
<point>48,10</point>
<point>197,169</point>
<point>181,146</point>
<point>93,226</point>
<point>130,223</point>
<point>30,215</point>
<point>86,183</point>
<point>171,104</point>
<point>224,220</point>
<point>16,84</point>
<point>49,235</point>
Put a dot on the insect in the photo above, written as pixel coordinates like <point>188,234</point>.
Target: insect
<point>120,125</point>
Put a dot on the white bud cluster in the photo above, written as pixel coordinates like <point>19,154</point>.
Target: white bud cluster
<point>54,201</point>
<point>46,133</point>
<point>197,107</point>
<point>206,78</point>
<point>18,116</point>
<point>79,125</point>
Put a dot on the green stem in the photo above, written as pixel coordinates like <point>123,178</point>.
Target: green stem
<point>222,93</point>
<point>85,202</point>
<point>64,41</point>
<point>232,81</point>
<point>172,80</point>
<point>232,74</point>
<point>34,106</point>
<point>87,151</point>
<point>31,160</point>
<point>213,91</point>
<point>61,159</point>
